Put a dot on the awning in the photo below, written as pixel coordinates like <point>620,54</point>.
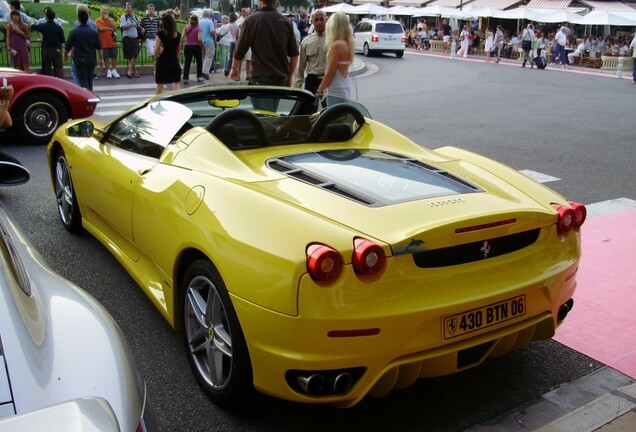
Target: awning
<point>549,4</point>
<point>448,3</point>
<point>497,4</point>
<point>607,5</point>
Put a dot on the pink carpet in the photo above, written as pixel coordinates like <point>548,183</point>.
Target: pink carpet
<point>602,324</point>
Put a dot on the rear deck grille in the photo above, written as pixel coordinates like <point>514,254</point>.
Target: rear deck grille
<point>476,251</point>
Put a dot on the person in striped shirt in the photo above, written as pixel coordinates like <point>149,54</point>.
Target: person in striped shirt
<point>150,24</point>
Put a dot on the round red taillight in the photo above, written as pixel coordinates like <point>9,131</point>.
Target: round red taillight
<point>566,219</point>
<point>368,257</point>
<point>580,213</point>
<point>323,262</point>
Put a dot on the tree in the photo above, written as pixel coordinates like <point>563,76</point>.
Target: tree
<point>184,9</point>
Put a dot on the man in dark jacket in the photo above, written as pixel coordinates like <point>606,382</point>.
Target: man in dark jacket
<point>52,41</point>
<point>274,47</point>
<point>85,44</point>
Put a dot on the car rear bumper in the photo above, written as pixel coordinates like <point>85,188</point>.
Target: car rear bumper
<point>396,346</point>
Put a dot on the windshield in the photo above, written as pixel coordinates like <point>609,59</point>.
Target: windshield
<point>286,117</point>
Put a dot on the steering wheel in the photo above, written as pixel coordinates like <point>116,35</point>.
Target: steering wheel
<point>238,114</point>
<point>330,114</point>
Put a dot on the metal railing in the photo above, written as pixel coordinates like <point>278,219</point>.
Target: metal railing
<point>35,56</point>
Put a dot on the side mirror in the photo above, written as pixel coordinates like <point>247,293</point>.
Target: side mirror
<point>12,173</point>
<point>82,129</point>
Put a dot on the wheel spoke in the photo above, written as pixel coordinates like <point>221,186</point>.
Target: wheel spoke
<point>216,365</point>
<point>197,307</point>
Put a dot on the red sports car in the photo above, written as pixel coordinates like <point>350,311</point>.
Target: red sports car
<point>41,103</point>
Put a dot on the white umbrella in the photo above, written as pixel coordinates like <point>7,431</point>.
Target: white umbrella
<point>402,10</point>
<point>520,13</point>
<point>432,11</point>
<point>369,9</point>
<point>340,7</point>
<point>612,18</point>
<point>486,12</point>
<point>558,16</point>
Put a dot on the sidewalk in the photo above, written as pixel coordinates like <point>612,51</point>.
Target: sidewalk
<point>604,400</point>
<point>626,73</point>
<point>147,80</point>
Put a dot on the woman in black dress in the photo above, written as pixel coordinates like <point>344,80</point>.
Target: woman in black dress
<point>167,50</point>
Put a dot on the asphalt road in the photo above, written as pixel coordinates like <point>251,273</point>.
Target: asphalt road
<point>578,128</point>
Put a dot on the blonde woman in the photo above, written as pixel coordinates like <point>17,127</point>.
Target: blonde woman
<point>339,39</point>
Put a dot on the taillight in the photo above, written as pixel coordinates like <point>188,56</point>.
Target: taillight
<point>375,38</point>
<point>368,257</point>
<point>580,213</point>
<point>566,218</point>
<point>404,39</point>
<point>323,262</point>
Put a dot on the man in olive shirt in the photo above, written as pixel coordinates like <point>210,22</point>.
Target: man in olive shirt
<point>313,54</point>
<point>274,47</point>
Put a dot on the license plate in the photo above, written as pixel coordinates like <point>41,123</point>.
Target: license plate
<point>478,319</point>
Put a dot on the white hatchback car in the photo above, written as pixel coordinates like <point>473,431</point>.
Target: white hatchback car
<point>373,36</point>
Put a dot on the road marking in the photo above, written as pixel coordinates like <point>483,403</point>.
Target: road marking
<point>540,177</point>
<point>610,206</point>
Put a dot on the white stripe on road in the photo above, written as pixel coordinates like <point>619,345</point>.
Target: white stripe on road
<point>540,177</point>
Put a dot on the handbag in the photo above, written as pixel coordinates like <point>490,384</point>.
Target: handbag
<point>526,44</point>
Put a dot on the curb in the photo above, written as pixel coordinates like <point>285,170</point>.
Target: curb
<point>598,401</point>
<point>218,79</point>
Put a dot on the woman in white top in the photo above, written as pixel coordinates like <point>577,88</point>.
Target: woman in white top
<point>464,41</point>
<point>339,39</point>
<point>489,45</point>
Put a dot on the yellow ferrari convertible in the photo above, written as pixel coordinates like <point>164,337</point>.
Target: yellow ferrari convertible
<point>312,253</point>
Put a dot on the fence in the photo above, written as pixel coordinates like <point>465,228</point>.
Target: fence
<point>35,56</point>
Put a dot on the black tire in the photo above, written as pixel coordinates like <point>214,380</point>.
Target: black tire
<point>36,116</point>
<point>67,205</point>
<point>212,333</point>
<point>365,50</point>
<point>399,54</point>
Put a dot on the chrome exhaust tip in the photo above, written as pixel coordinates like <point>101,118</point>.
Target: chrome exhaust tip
<point>343,382</point>
<point>311,384</point>
<point>564,310</point>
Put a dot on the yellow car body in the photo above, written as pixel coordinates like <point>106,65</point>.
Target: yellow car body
<point>467,276</point>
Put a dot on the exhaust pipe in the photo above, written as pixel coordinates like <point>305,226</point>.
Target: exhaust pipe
<point>564,310</point>
<point>311,384</point>
<point>343,382</point>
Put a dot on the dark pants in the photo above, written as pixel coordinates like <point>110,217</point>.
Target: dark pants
<point>192,51</point>
<point>85,69</point>
<point>266,103</point>
<point>52,63</point>
<point>312,82</point>
<point>228,66</point>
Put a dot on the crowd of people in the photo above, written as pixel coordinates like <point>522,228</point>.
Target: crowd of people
<point>560,44</point>
<point>292,50</point>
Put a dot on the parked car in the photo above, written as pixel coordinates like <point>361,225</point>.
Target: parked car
<point>316,257</point>
<point>64,363</point>
<point>42,103</point>
<point>373,36</point>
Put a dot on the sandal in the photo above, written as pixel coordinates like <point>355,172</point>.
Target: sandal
<point>129,75</point>
<point>137,75</point>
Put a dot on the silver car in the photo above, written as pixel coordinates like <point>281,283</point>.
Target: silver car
<point>64,362</point>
